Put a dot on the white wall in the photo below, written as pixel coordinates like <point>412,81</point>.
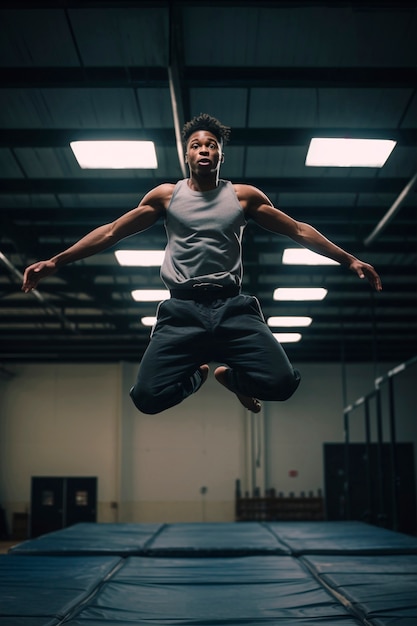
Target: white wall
<point>69,420</point>
<point>58,420</point>
<point>168,458</point>
<point>295,430</point>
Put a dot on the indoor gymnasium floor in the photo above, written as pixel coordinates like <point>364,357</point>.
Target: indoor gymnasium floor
<point>212,574</point>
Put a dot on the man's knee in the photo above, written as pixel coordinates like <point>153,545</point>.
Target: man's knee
<point>287,386</point>
<point>151,398</point>
<point>144,400</point>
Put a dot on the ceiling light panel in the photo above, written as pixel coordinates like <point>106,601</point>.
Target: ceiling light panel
<point>139,258</point>
<point>150,295</point>
<point>346,152</point>
<point>115,154</point>
<point>287,337</point>
<point>148,320</point>
<point>300,293</point>
<point>289,321</point>
<point>301,256</point>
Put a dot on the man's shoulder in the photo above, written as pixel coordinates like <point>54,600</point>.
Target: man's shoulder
<point>160,196</point>
<point>245,191</point>
<point>164,188</point>
<point>162,191</point>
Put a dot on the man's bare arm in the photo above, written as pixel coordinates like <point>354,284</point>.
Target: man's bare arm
<point>259,208</point>
<point>137,220</point>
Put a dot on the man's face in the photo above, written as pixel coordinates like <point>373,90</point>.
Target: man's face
<point>204,153</point>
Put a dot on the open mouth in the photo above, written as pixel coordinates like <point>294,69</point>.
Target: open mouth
<point>204,162</point>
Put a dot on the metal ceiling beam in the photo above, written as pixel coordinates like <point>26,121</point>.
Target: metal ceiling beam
<point>88,273</point>
<point>83,77</point>
<point>80,4</point>
<point>106,4</point>
<point>103,350</point>
<point>353,290</point>
<point>49,308</point>
<point>391,212</point>
<point>405,304</point>
<point>310,77</point>
<point>92,335</point>
<point>397,247</point>
<point>59,228</point>
<point>53,230</point>
<point>73,216</point>
<point>61,137</point>
<point>321,320</point>
<point>208,76</point>
<point>140,186</point>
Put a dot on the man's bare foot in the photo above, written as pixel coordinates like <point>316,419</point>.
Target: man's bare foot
<point>204,371</point>
<point>252,404</point>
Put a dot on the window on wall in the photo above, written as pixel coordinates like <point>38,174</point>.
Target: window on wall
<point>48,498</point>
<point>81,498</point>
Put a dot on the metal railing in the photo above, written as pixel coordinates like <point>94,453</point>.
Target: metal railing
<point>382,479</point>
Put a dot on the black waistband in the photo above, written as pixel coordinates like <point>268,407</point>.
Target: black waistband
<point>205,293</point>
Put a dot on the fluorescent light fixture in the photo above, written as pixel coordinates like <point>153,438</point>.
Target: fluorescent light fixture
<point>290,321</point>
<point>287,337</point>
<point>300,293</point>
<point>301,256</point>
<point>344,152</point>
<point>115,154</point>
<point>148,321</point>
<point>143,258</point>
<point>150,295</point>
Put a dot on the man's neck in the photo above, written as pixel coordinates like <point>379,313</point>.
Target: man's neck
<point>206,183</point>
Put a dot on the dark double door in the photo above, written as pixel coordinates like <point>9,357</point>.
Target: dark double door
<point>57,502</point>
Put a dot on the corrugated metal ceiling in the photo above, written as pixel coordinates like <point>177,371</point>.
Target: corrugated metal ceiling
<point>278,73</point>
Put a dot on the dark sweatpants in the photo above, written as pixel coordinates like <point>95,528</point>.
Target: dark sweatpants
<point>229,331</point>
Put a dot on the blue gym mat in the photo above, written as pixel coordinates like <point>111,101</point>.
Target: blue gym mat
<point>40,591</point>
<point>341,538</point>
<point>213,592</point>
<point>216,539</point>
<point>89,539</point>
<point>381,589</point>
<point>212,574</point>
<point>205,571</point>
<point>192,539</point>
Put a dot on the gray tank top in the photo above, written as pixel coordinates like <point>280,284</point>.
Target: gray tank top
<point>204,231</point>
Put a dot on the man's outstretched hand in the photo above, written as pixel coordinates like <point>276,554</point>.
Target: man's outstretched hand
<point>34,273</point>
<point>365,270</point>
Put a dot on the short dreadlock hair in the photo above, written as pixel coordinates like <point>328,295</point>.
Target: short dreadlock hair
<point>204,121</point>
